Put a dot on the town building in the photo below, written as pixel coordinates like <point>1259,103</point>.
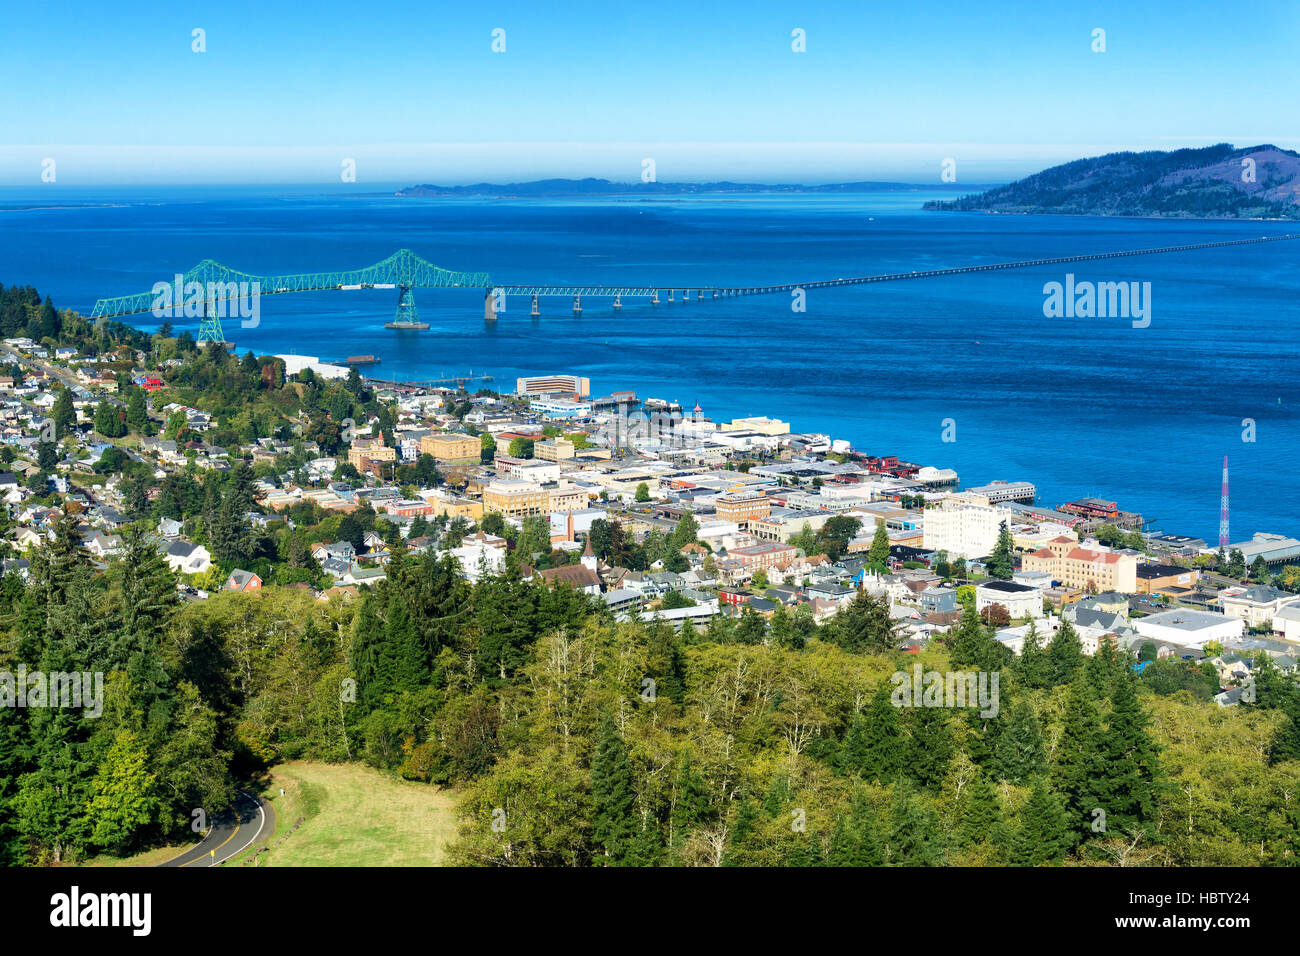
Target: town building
<point>1154,578</point>
<point>1255,605</point>
<point>552,385</point>
<point>961,527</point>
<point>516,499</point>
<point>767,555</point>
<point>742,506</point>
<point>1190,629</point>
<point>1085,568</point>
<point>1020,600</point>
<point>452,449</point>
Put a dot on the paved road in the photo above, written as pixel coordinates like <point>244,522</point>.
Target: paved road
<point>249,821</point>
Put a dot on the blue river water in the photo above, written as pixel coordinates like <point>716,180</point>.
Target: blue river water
<point>1080,406</point>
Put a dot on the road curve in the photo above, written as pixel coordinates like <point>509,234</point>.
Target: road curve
<point>250,820</point>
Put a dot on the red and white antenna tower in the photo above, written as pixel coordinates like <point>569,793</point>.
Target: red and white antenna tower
<point>1223,507</point>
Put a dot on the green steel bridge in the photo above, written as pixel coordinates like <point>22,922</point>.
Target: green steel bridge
<point>213,289</point>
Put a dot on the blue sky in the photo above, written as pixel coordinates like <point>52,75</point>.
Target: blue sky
<point>413,91</point>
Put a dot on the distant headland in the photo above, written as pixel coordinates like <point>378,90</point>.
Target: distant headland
<point>1216,182</point>
<point>546,188</point>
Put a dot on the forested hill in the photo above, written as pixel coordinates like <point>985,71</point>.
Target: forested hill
<point>1217,182</point>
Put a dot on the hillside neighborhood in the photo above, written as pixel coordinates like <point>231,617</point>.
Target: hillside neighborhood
<point>657,511</point>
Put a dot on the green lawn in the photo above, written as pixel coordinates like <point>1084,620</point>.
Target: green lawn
<point>354,816</point>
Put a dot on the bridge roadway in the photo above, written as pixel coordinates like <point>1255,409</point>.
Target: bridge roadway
<point>715,292</point>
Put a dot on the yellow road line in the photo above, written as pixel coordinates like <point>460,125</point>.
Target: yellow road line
<point>213,852</point>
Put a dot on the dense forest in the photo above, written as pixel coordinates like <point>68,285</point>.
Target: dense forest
<point>578,740</point>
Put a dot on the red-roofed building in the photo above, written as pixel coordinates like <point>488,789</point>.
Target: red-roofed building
<point>1084,568</point>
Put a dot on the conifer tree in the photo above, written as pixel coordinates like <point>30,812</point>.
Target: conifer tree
<point>981,814</point>
<point>914,833</point>
<point>1019,755</point>
<point>874,747</point>
<point>1107,666</point>
<point>929,747</point>
<point>747,816</point>
<point>1002,562</point>
<point>1041,835</point>
<point>972,647</point>
<point>613,824</point>
<point>1130,762</point>
<point>1066,654</point>
<point>690,800</point>
<point>1079,770</point>
<point>1032,667</point>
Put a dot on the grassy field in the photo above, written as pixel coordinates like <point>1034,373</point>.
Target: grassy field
<point>147,858</point>
<point>354,816</point>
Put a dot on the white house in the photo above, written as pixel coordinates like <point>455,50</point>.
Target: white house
<point>479,558</point>
<point>186,558</point>
<point>1020,600</point>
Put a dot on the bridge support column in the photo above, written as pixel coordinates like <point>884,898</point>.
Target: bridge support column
<point>535,313</point>
<point>654,299</point>
<point>577,306</point>
<point>490,306</point>
<point>618,304</point>
<point>699,295</point>
<point>670,296</point>
<point>715,293</point>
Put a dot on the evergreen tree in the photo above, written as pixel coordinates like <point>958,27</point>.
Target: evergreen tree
<point>981,814</point>
<point>1079,770</point>
<point>914,833</point>
<point>647,845</point>
<point>1130,762</point>
<point>1002,562</point>
<point>973,648</point>
<point>929,747</point>
<point>864,625</point>
<point>1019,755</point>
<point>874,747</point>
<point>1033,667</point>
<point>666,663</point>
<point>137,414</point>
<point>1107,667</point>
<point>878,556</point>
<point>1066,654</point>
<point>747,818</point>
<point>1041,835</point>
<point>63,413</point>
<point>690,800</point>
<point>613,826</point>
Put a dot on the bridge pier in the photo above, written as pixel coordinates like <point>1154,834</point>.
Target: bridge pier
<point>654,299</point>
<point>577,306</point>
<point>699,295</point>
<point>490,306</point>
<point>618,304</point>
<point>534,313</point>
<point>670,296</point>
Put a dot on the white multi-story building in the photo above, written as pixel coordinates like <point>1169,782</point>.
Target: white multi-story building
<point>961,528</point>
